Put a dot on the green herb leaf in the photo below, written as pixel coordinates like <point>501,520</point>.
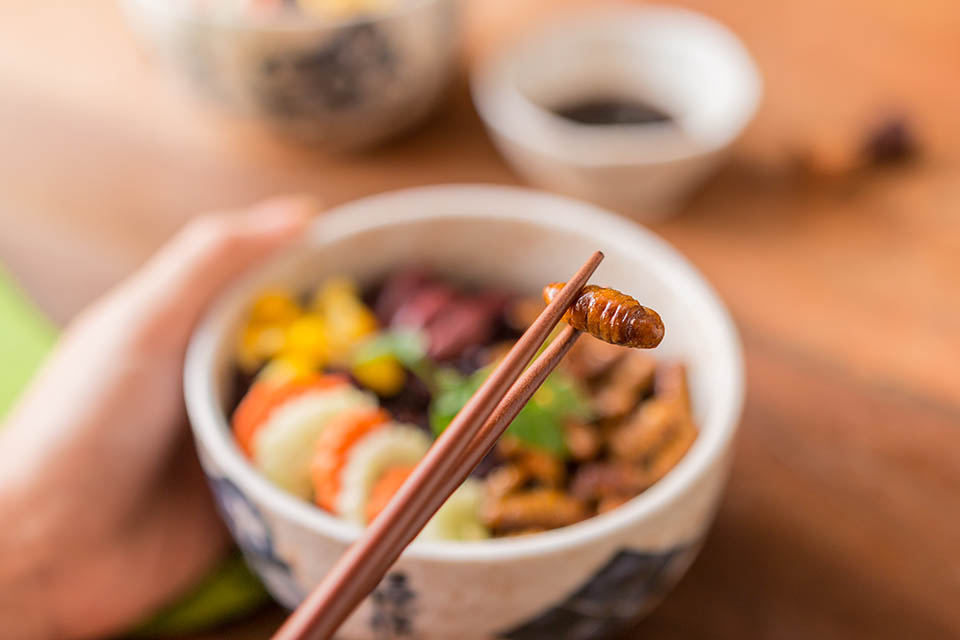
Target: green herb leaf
<point>539,424</point>
<point>451,393</point>
<point>407,346</point>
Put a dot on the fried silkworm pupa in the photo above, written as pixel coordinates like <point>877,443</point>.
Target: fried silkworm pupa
<point>611,316</point>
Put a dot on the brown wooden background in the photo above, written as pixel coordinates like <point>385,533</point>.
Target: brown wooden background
<point>842,517</point>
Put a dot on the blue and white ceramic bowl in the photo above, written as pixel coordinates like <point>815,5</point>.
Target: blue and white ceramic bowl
<point>680,61</point>
<point>341,83</point>
<point>579,582</point>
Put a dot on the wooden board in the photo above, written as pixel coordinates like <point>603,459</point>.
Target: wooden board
<point>841,520</point>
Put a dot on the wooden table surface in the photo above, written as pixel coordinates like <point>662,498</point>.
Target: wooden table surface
<point>842,517</point>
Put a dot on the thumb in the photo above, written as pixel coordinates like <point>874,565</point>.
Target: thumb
<point>176,284</point>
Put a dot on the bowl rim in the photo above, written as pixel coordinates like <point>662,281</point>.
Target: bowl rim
<point>210,427</point>
<point>511,115</point>
<point>284,22</point>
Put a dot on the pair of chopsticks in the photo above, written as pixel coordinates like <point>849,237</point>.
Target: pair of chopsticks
<point>464,443</point>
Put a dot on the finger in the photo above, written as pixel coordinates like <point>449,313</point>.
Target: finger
<point>209,252</point>
<point>213,249</point>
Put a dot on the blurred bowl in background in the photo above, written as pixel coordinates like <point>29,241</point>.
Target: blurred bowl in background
<point>343,84</point>
<point>685,65</point>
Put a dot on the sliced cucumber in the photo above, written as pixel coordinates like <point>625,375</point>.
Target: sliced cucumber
<point>393,445</point>
<point>283,448</point>
<point>459,517</point>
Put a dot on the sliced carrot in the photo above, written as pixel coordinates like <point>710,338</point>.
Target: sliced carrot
<point>266,395</point>
<point>333,448</point>
<point>385,488</point>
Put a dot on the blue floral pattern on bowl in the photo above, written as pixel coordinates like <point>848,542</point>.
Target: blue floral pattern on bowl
<point>393,608</point>
<point>253,536</point>
<point>630,584</point>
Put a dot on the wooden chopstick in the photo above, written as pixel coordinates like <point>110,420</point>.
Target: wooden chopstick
<point>513,402</point>
<point>368,559</point>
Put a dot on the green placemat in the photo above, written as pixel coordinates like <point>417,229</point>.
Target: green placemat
<point>229,593</point>
<point>26,336</point>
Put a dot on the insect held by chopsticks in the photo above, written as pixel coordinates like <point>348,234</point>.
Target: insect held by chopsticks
<point>611,316</point>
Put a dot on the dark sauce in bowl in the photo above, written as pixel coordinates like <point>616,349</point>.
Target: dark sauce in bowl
<point>602,110</point>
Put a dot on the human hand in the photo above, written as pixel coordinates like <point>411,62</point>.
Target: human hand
<point>105,513</point>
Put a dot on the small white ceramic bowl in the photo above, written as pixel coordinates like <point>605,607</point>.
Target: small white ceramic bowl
<point>579,582</point>
<point>342,84</point>
<point>686,64</point>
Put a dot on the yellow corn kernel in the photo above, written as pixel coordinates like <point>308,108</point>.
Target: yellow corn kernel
<point>274,307</point>
<point>286,367</point>
<point>383,374</point>
<point>335,292</point>
<point>306,337</point>
<point>344,334</point>
<point>347,318</point>
<point>257,344</point>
